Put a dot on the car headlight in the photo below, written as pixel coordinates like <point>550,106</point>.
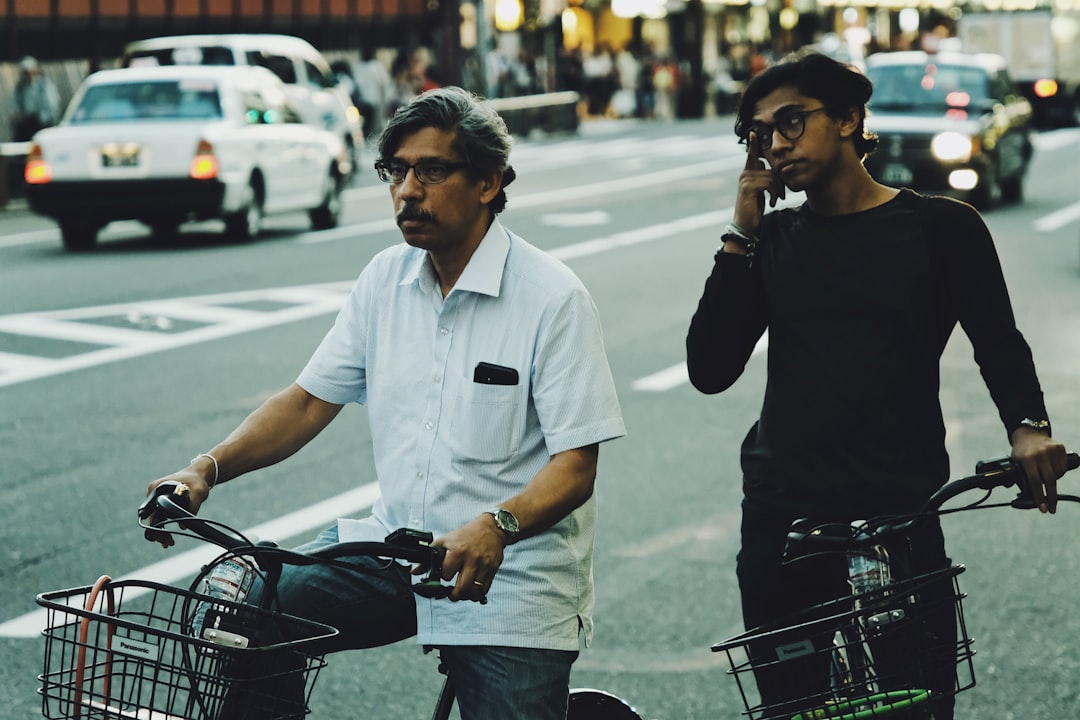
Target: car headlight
<point>952,147</point>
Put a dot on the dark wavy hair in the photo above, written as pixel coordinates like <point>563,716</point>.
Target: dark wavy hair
<point>841,88</point>
<point>481,136</point>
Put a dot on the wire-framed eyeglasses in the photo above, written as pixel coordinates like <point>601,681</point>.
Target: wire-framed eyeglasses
<point>791,124</point>
<point>428,172</point>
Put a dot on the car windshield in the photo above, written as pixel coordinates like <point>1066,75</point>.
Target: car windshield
<point>183,55</point>
<point>927,87</point>
<point>168,100</point>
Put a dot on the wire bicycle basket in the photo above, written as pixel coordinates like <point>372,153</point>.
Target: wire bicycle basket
<point>856,657</point>
<point>124,651</point>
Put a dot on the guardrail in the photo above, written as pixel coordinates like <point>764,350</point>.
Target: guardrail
<point>12,163</point>
<point>553,112</point>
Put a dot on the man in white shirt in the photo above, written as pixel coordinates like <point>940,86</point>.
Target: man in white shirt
<point>481,361</point>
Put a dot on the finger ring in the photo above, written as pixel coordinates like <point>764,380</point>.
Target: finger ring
<point>477,583</point>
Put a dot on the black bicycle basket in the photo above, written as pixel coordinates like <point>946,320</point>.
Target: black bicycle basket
<point>879,654</point>
<point>124,651</point>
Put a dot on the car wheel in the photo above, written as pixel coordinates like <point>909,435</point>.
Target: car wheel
<point>164,230</point>
<point>246,223</point>
<point>328,214</point>
<point>78,235</point>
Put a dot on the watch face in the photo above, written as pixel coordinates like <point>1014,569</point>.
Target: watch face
<point>506,521</point>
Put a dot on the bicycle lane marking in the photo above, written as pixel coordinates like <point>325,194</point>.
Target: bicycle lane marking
<point>128,330</point>
<point>122,331</point>
<point>179,566</point>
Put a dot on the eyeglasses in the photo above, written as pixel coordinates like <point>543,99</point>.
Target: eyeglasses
<point>791,124</point>
<point>428,172</point>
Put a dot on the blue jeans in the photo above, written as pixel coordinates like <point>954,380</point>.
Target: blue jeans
<point>375,605</point>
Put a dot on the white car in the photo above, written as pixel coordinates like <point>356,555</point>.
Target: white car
<point>311,85</point>
<point>167,145</point>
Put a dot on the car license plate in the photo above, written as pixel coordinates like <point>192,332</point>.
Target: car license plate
<point>897,174</point>
<point>116,155</point>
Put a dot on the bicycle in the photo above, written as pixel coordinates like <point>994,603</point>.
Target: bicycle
<point>863,651</point>
<point>130,649</point>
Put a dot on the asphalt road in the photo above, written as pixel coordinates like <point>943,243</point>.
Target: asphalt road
<point>117,366</point>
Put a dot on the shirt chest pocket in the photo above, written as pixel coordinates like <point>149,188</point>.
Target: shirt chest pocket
<point>488,422</point>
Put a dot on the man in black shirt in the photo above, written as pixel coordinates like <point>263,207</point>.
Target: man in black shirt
<point>859,289</point>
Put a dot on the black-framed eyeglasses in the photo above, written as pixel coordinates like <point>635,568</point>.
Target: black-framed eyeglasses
<point>428,172</point>
<point>791,124</point>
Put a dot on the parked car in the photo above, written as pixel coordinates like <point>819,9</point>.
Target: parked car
<point>949,123</point>
<point>166,145</point>
<point>312,86</point>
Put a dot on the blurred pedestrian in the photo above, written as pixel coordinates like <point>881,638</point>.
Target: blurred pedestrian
<point>376,88</point>
<point>599,71</point>
<point>36,102</point>
<point>496,71</point>
<point>406,85</point>
<point>665,82</point>
<point>628,72</point>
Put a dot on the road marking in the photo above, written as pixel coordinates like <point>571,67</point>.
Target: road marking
<point>182,565</point>
<point>1059,219</point>
<point>129,330</point>
<point>676,375</point>
<point>211,317</point>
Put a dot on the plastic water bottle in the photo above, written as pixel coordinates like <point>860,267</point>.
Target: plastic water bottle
<point>229,580</point>
<point>868,567</point>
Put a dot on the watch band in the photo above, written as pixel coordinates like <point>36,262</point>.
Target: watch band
<point>1042,425</point>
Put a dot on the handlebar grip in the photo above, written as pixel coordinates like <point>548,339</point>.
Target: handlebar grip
<point>150,507</point>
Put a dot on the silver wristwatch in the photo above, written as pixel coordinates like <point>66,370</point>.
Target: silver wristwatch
<point>505,521</point>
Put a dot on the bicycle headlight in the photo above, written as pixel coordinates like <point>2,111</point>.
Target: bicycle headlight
<point>952,147</point>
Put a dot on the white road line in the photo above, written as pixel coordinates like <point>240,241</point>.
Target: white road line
<point>666,379</point>
<point>676,375</point>
<point>1059,219</point>
<point>184,564</point>
<point>126,343</point>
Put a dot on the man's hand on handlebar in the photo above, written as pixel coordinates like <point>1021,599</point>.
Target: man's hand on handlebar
<point>474,553</point>
<point>198,489</point>
<point>1044,461</point>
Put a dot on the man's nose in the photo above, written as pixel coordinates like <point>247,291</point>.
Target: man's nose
<point>410,185</point>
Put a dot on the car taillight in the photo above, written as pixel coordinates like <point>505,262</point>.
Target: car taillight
<point>1046,88</point>
<point>204,166</point>
<point>38,171</point>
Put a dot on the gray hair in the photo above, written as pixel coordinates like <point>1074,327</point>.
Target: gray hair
<point>480,133</point>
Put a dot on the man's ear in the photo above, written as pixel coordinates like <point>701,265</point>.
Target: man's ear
<point>848,122</point>
<point>490,185</point>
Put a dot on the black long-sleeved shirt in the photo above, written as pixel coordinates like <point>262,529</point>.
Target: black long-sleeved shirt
<point>858,309</point>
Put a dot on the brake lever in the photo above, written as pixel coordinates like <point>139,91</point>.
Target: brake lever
<point>431,585</point>
<point>1024,500</point>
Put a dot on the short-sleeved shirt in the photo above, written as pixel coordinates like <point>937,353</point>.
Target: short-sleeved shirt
<point>448,448</point>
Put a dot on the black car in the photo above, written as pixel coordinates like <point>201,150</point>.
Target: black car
<point>949,123</point>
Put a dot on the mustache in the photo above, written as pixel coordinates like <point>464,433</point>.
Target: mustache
<point>413,213</point>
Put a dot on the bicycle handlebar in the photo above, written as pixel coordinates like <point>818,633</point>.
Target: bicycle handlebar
<point>806,534</point>
<point>167,505</point>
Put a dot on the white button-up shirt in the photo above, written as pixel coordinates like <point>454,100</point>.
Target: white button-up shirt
<point>448,448</point>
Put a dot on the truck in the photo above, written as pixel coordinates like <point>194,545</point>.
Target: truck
<point>1041,48</point>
